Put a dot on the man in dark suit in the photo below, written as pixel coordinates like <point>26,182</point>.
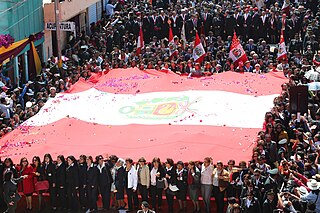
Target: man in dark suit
<point>230,23</point>
<point>250,204</point>
<point>239,21</point>
<point>207,21</point>
<point>191,27</point>
<point>154,30</point>
<point>104,181</point>
<point>218,25</point>
<point>258,180</point>
<point>146,28</point>
<point>247,22</point>
<point>256,23</point>
<point>270,202</point>
<point>162,24</point>
<point>285,25</point>
<point>264,20</point>
<point>176,23</point>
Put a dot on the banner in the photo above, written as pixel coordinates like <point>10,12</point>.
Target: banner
<point>64,26</point>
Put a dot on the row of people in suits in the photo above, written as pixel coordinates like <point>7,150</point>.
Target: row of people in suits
<point>256,25</point>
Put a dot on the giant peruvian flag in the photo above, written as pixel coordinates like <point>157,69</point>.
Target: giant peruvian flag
<point>134,113</point>
<point>198,51</point>
<point>282,51</point>
<point>237,53</point>
<point>140,42</point>
<point>172,45</point>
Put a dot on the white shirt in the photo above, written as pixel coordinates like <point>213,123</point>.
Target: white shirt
<point>206,174</point>
<point>153,176</point>
<point>248,203</point>
<point>132,178</point>
<point>101,167</point>
<point>215,178</point>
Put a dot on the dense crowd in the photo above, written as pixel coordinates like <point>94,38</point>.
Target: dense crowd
<point>283,173</point>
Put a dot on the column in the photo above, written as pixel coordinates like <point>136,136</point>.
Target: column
<point>26,68</point>
<point>16,71</point>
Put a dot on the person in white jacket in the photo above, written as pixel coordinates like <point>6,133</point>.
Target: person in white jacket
<point>131,185</point>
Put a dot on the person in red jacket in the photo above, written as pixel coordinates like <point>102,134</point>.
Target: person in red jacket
<point>27,185</point>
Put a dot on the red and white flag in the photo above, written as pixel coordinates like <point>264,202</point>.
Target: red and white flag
<point>198,51</point>
<point>185,121</point>
<point>172,45</point>
<point>282,51</point>
<point>286,7</point>
<point>237,53</point>
<point>140,42</point>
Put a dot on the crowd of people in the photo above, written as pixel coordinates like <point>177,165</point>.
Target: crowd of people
<point>283,173</point>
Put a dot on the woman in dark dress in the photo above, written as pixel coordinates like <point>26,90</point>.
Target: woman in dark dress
<point>171,178</point>
<point>120,183</point>
<point>82,184</point>
<point>194,185</point>
<point>157,184</point>
<point>182,184</point>
<point>49,169</point>
<point>38,176</point>
<point>72,181</point>
<point>92,184</point>
<point>104,180</point>
<point>61,182</point>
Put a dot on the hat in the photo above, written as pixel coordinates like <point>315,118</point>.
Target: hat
<point>313,184</point>
<point>142,159</point>
<point>316,177</point>
<point>273,171</point>
<point>4,88</point>
<point>246,62</point>
<point>145,204</point>
<point>28,104</point>
<point>282,142</point>
<point>303,190</point>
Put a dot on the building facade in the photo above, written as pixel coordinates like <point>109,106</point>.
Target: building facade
<point>82,13</point>
<point>20,19</point>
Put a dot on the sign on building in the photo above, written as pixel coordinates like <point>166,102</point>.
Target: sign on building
<point>64,26</point>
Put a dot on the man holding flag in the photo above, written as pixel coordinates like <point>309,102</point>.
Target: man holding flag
<point>140,42</point>
<point>198,51</point>
<point>237,54</point>
<point>172,44</point>
<point>282,51</point>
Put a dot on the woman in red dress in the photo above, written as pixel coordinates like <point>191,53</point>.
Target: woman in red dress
<point>27,185</point>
